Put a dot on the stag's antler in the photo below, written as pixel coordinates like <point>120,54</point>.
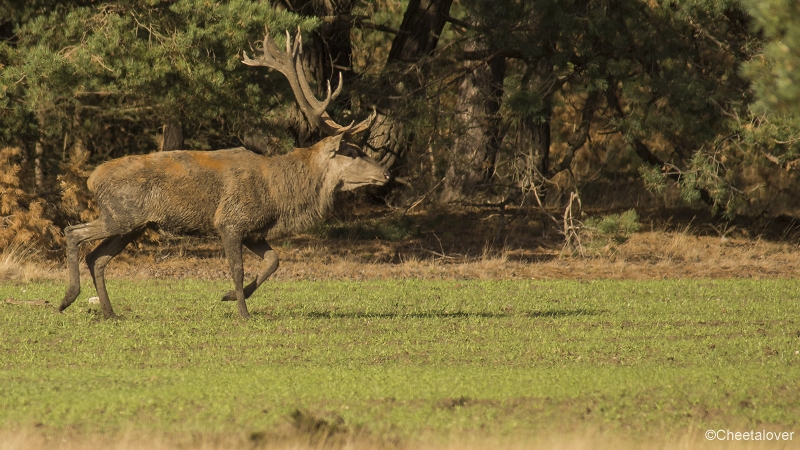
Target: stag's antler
<point>289,64</point>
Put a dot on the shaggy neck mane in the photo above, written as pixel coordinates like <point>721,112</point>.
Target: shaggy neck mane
<point>306,192</point>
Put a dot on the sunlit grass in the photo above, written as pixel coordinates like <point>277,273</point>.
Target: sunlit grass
<point>396,359</point>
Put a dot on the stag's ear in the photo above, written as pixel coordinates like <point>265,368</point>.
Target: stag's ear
<point>330,145</point>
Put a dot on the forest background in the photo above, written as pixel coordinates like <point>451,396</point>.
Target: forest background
<point>491,103</point>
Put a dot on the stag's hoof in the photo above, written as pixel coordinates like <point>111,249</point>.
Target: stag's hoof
<point>229,297</point>
<point>69,298</point>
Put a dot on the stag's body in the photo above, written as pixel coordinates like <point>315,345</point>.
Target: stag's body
<point>236,194</point>
<point>197,192</point>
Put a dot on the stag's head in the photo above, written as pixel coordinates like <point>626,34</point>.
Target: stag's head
<point>346,166</point>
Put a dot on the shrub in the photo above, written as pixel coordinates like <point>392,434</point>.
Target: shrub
<point>615,227</point>
<point>25,219</point>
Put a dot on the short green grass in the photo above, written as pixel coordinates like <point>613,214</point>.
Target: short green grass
<point>396,359</point>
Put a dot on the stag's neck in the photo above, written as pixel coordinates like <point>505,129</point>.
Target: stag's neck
<point>307,194</point>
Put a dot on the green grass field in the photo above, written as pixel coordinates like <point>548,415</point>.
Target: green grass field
<point>399,359</point>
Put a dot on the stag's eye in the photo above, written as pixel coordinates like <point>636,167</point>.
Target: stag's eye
<point>349,152</point>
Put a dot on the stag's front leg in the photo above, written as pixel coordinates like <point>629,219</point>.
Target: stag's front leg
<point>233,250</point>
<point>263,250</point>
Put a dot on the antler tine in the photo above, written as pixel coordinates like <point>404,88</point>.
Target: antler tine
<point>267,58</point>
<point>298,43</point>
<point>292,50</point>
<point>338,88</point>
<point>334,128</point>
<point>364,124</point>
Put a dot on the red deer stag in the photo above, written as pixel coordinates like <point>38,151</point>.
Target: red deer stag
<point>235,193</point>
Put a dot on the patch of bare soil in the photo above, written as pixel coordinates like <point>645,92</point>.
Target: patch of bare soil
<point>483,244</point>
<point>648,255</point>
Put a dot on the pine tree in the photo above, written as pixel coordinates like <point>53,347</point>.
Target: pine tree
<point>776,71</point>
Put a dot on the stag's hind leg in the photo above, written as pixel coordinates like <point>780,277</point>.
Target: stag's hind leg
<point>270,258</point>
<point>75,236</point>
<point>233,250</point>
<point>99,258</point>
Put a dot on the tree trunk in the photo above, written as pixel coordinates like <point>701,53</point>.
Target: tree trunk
<point>25,178</point>
<point>472,160</point>
<point>38,170</point>
<point>534,134</point>
<point>38,156</point>
<point>578,138</point>
<point>533,141</point>
<point>423,22</point>
<point>173,136</point>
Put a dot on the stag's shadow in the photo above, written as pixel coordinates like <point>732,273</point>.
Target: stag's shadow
<point>550,314</point>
